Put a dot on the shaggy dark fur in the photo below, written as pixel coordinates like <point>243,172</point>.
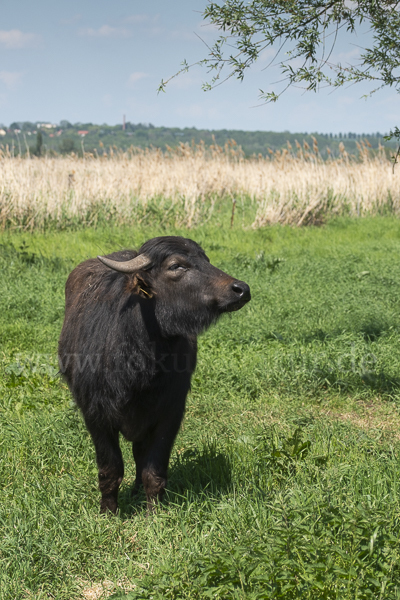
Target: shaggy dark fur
<point>128,350</point>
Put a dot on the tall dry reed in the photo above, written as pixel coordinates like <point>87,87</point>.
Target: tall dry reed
<point>293,186</point>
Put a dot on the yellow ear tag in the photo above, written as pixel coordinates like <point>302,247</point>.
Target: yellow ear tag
<point>144,292</point>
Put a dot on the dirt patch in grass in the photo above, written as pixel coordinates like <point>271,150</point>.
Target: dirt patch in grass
<point>374,415</point>
<point>104,589</point>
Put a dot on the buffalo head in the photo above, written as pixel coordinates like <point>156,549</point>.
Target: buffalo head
<point>187,292</point>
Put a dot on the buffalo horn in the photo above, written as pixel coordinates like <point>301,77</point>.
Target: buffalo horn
<point>128,266</point>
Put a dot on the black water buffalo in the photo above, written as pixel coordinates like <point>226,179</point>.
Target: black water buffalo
<point>128,350</point>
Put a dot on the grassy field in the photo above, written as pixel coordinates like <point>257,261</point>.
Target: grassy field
<point>191,185</point>
<point>284,479</point>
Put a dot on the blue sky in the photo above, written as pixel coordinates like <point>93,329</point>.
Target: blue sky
<point>94,61</point>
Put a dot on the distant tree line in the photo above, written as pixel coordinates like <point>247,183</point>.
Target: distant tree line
<point>64,138</point>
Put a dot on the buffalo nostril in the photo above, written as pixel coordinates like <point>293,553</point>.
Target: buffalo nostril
<point>241,289</point>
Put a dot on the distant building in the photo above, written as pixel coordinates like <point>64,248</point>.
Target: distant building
<point>82,133</point>
<point>2,132</point>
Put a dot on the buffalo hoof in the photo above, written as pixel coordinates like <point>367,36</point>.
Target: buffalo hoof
<point>108,505</point>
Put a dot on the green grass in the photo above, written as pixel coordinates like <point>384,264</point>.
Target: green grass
<point>284,479</point>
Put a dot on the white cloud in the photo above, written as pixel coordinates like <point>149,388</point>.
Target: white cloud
<point>105,32</point>
<point>350,55</point>
<point>10,79</point>
<point>135,77</point>
<point>16,39</point>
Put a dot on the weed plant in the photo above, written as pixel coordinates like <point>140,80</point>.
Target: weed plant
<point>284,479</point>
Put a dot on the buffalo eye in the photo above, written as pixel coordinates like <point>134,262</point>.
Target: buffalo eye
<point>174,267</point>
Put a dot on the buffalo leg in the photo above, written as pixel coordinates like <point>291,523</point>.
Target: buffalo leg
<point>137,451</point>
<point>154,467</point>
<point>110,466</point>
<point>154,476</point>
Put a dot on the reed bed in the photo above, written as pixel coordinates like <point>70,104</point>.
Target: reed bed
<point>294,186</point>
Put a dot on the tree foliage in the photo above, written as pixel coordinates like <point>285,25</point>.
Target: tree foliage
<point>303,35</point>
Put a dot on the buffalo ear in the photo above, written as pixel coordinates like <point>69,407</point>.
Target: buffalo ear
<point>143,287</point>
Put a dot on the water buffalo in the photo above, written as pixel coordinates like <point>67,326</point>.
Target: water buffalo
<point>128,350</point>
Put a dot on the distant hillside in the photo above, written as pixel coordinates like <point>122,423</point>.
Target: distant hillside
<point>65,138</point>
